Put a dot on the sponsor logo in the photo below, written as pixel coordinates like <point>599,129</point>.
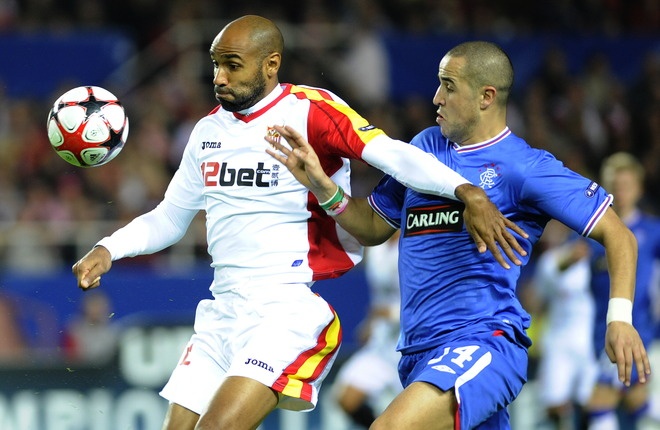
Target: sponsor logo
<point>220,174</point>
<point>434,219</point>
<point>591,189</point>
<point>367,127</point>
<point>259,363</point>
<point>211,145</point>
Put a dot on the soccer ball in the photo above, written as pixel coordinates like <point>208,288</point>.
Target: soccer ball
<point>87,126</point>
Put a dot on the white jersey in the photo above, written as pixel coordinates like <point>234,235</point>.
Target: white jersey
<point>262,223</point>
<point>381,267</point>
<point>568,367</point>
<point>570,316</point>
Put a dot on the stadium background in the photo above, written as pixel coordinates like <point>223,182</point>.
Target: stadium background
<point>587,85</point>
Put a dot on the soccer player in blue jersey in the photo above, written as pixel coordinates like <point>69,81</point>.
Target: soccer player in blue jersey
<point>463,331</point>
<point>623,175</point>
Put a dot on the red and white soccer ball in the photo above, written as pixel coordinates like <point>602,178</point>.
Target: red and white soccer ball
<point>87,126</point>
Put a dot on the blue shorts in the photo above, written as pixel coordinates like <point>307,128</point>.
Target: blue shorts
<point>486,370</point>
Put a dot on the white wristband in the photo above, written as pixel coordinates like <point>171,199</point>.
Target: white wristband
<point>619,309</point>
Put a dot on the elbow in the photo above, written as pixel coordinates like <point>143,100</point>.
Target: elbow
<point>632,240</point>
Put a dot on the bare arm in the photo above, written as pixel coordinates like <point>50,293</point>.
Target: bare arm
<point>484,222</point>
<point>622,342</point>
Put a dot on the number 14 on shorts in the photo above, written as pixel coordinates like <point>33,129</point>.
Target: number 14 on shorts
<point>458,356</point>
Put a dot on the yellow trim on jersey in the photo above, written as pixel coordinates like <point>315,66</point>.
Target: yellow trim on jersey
<point>357,121</point>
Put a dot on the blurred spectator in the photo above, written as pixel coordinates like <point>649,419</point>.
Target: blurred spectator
<point>369,380</point>
<point>567,367</point>
<point>13,345</point>
<point>623,176</point>
<point>91,336</point>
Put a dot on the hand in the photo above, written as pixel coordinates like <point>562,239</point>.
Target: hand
<point>488,227</point>
<point>625,348</point>
<point>302,162</point>
<point>88,270</point>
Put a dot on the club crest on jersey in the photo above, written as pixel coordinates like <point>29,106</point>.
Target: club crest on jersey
<point>488,175</point>
<point>591,189</point>
<point>271,132</point>
<point>440,218</point>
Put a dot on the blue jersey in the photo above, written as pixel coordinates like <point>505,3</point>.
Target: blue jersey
<point>448,289</point>
<point>647,232</point>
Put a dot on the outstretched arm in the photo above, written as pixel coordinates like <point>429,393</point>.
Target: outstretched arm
<point>146,234</point>
<point>622,342</point>
<point>487,226</point>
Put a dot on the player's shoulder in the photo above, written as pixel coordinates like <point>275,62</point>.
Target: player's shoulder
<point>526,156</point>
<point>428,138</point>
<point>311,93</point>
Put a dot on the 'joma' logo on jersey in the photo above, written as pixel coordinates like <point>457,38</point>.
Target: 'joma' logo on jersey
<point>221,174</point>
<point>211,145</point>
<point>434,219</point>
<point>259,363</point>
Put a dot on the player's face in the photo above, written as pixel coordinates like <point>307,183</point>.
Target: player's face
<point>457,101</point>
<point>238,74</point>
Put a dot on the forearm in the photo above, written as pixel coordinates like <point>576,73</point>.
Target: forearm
<point>412,167</point>
<point>621,253</point>
<point>354,215</point>
<point>149,233</point>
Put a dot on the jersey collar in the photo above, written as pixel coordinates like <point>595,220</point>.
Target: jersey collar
<point>247,115</point>
<point>477,146</point>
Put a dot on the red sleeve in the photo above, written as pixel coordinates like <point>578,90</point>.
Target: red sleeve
<point>335,130</point>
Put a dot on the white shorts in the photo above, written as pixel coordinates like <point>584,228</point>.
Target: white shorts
<point>370,373</point>
<point>373,369</point>
<point>566,375</point>
<point>284,336</point>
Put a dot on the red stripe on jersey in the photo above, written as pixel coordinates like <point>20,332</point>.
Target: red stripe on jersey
<point>457,418</point>
<point>295,379</point>
<point>327,257</point>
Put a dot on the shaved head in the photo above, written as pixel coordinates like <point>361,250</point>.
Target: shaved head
<point>257,32</point>
<point>246,57</point>
<point>487,64</point>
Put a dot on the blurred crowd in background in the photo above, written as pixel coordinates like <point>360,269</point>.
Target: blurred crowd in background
<point>46,204</point>
<point>51,212</point>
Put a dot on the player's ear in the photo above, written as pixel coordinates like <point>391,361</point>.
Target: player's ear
<point>488,94</point>
<point>272,63</point>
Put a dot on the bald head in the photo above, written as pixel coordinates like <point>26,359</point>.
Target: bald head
<point>253,33</point>
<point>246,57</point>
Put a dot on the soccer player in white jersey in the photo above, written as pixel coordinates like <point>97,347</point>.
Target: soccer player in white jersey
<point>463,330</point>
<point>561,282</point>
<point>369,380</point>
<point>266,340</point>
